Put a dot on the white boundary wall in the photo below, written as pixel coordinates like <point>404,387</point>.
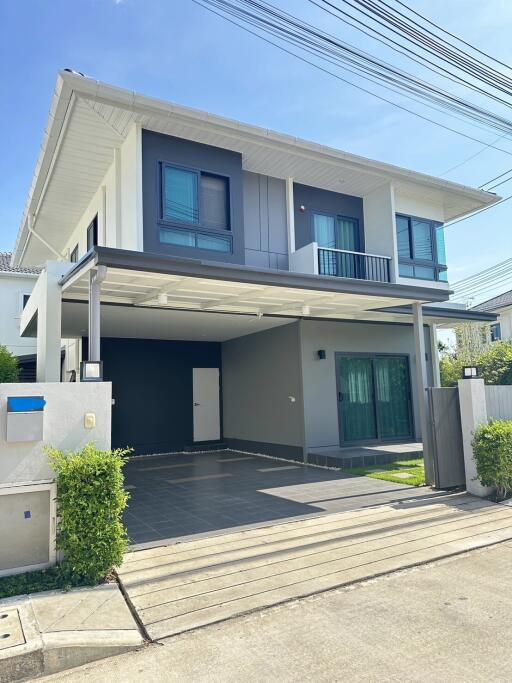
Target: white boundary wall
<point>28,525</point>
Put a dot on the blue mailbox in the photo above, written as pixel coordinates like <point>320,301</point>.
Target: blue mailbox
<point>25,418</point>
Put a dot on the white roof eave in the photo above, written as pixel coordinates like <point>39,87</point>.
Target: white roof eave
<point>70,85</point>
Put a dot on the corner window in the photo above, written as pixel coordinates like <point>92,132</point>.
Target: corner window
<point>73,257</point>
<point>195,208</point>
<point>92,233</point>
<point>421,248</point>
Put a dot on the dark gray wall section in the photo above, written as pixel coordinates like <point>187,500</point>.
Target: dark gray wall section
<point>156,148</point>
<point>314,199</point>
<point>152,387</point>
<point>266,240</point>
<point>259,373</point>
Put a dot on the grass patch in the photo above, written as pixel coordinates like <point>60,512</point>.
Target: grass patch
<point>389,471</point>
<point>53,578</point>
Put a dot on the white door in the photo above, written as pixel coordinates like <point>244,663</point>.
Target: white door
<point>206,393</point>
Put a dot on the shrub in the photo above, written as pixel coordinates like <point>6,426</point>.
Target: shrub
<point>9,370</point>
<point>90,501</point>
<point>492,446</point>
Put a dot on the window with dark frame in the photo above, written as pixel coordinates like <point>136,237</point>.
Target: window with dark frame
<point>92,233</point>
<point>195,209</point>
<point>496,332</point>
<point>26,297</point>
<point>421,248</point>
<point>73,257</point>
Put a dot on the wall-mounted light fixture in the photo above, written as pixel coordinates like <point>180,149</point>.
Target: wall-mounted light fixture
<point>91,371</point>
<point>470,372</point>
<point>321,354</point>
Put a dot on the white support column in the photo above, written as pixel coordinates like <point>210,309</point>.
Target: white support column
<point>49,323</point>
<point>290,215</point>
<point>473,412</point>
<point>421,384</point>
<point>96,277</point>
<point>434,353</point>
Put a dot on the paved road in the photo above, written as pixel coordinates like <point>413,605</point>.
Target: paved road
<point>444,622</point>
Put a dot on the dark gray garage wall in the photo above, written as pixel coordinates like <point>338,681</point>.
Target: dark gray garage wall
<point>266,235</point>
<point>259,372</point>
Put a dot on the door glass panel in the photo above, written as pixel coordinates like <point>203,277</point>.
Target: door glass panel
<point>357,393</point>
<point>392,397</point>
<point>325,234</point>
<point>348,238</point>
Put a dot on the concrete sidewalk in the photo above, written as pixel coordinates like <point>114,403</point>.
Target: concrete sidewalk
<point>446,621</point>
<point>47,632</point>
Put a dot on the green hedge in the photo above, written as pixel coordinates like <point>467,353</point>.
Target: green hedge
<point>492,447</point>
<point>9,370</point>
<point>90,502</point>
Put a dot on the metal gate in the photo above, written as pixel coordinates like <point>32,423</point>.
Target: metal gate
<point>446,437</point>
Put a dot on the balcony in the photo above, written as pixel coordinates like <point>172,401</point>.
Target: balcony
<point>341,263</point>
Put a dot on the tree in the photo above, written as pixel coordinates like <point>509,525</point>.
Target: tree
<point>493,360</point>
<point>9,370</point>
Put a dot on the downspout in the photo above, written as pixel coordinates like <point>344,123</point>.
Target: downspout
<point>41,239</point>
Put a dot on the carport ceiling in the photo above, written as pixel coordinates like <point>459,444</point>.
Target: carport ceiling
<point>156,323</point>
<point>148,289</point>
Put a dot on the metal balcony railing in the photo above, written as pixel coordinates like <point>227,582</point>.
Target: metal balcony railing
<point>353,264</point>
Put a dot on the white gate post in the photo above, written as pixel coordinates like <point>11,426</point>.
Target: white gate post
<point>473,412</point>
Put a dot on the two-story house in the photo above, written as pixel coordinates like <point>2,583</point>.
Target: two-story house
<point>238,284</point>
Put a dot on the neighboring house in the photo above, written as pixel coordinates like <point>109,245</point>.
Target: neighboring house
<point>239,285</point>
<point>16,284</point>
<point>501,306</point>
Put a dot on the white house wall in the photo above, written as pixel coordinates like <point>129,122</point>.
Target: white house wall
<point>12,288</point>
<point>319,376</point>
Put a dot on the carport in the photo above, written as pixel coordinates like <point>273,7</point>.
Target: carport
<point>184,496</point>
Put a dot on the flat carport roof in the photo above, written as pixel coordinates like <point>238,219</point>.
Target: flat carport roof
<point>150,280</point>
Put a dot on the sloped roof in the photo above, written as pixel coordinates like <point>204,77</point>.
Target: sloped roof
<point>5,265</point>
<point>501,301</point>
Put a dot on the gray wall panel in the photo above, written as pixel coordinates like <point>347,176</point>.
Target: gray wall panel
<point>265,221</point>
<point>259,372</point>
<point>319,376</point>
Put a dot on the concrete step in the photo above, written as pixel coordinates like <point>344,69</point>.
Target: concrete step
<point>189,585</point>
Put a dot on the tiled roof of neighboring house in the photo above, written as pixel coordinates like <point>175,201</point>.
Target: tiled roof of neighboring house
<point>5,265</point>
<point>497,302</point>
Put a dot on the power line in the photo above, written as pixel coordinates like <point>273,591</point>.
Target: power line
<point>406,51</point>
<point>465,161</point>
<point>471,67</point>
<point>475,213</point>
<point>440,28</point>
<point>268,26</point>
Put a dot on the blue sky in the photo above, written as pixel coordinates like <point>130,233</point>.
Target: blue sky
<point>175,50</point>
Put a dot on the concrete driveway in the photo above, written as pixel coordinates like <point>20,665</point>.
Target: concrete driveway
<point>174,497</point>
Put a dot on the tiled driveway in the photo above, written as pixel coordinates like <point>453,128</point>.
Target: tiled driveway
<point>177,496</point>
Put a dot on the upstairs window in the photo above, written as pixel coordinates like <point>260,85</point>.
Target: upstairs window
<point>92,233</point>
<point>421,248</point>
<point>195,209</point>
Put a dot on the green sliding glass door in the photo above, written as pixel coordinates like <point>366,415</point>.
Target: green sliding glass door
<point>373,397</point>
